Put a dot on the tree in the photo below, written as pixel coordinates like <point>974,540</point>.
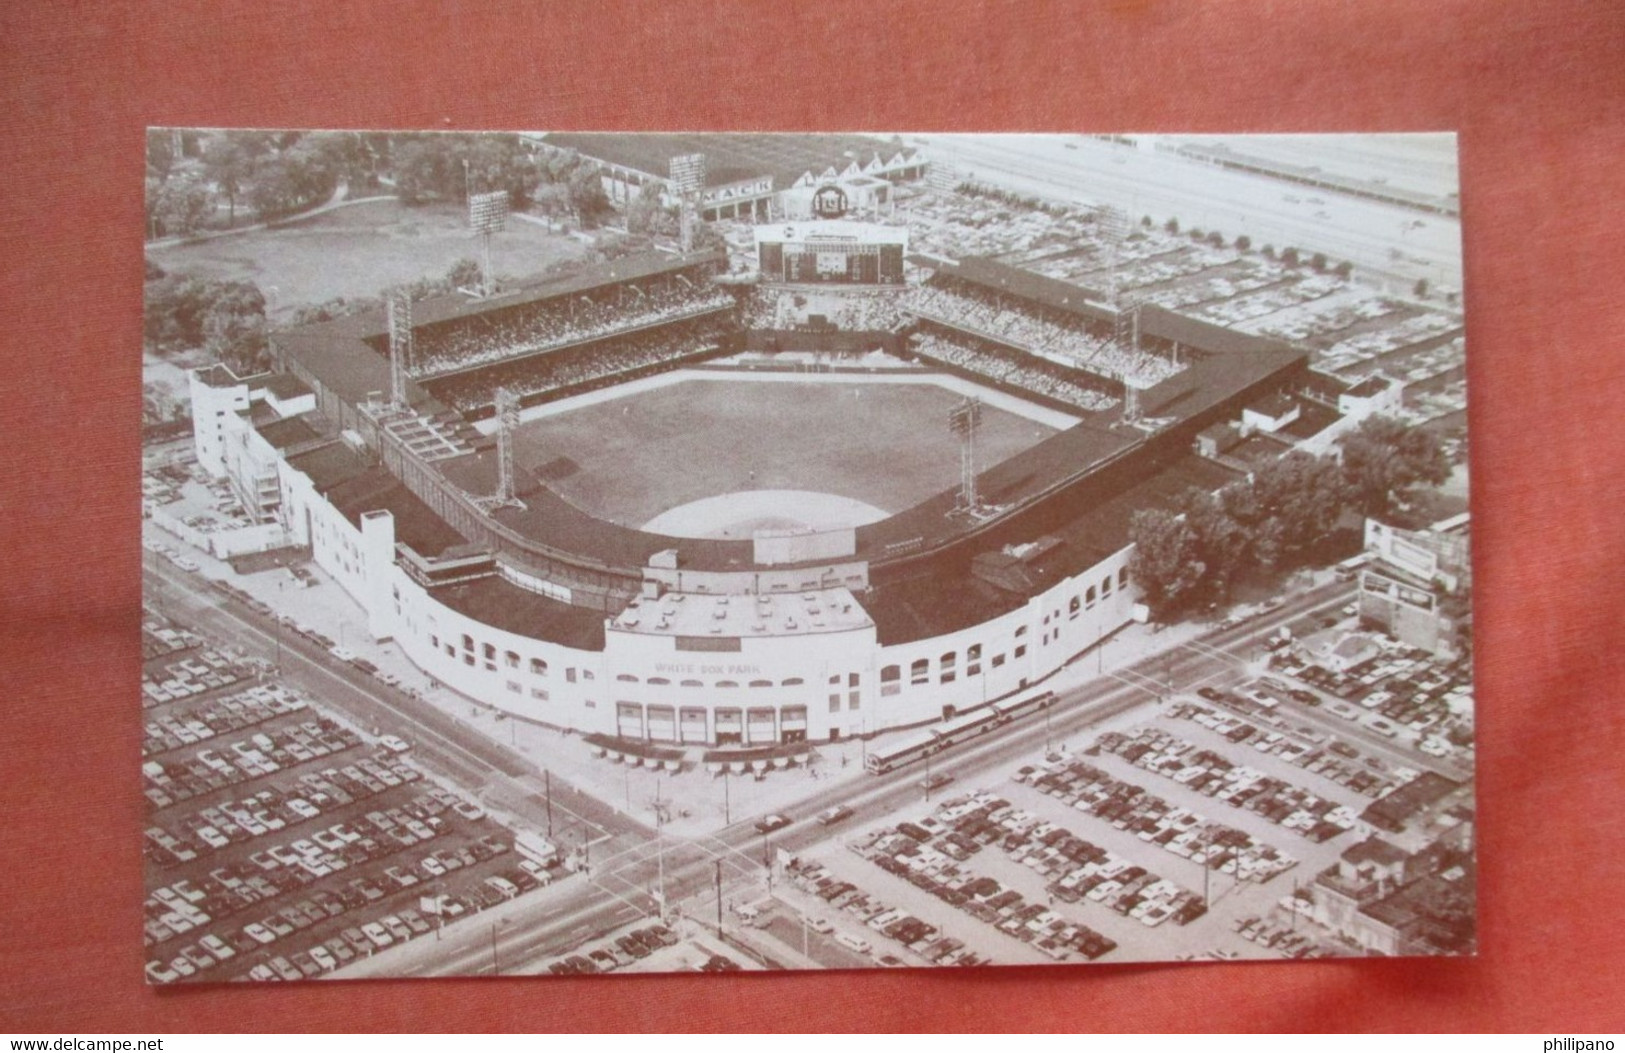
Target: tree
<point>1421,288</point>
<point>646,214</point>
<point>1304,496</point>
<point>1318,261</point>
<point>1216,240</point>
<point>1222,544</point>
<point>587,195</point>
<point>230,160</point>
<point>1384,458</point>
<point>234,326</point>
<point>444,167</point>
<point>1172,226</point>
<point>160,153</point>
<point>1344,270</point>
<point>299,176</point>
<point>1165,560</point>
<point>1243,243</point>
<point>464,274</point>
<point>177,206</point>
<point>1289,256</point>
<point>174,312</point>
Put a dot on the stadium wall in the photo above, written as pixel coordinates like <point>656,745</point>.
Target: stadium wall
<point>816,686</point>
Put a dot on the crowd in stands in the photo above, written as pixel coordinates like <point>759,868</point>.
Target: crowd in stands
<point>848,310</point>
<point>1005,321</point>
<point>559,322</point>
<point>1010,367</point>
<point>577,369</point>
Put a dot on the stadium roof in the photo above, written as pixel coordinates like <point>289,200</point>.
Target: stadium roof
<point>732,157</point>
<point>286,386</point>
<point>1156,322</point>
<point>1051,292</point>
<point>452,306</point>
<point>495,602</point>
<point>287,432</point>
<point>355,486</point>
<point>1159,322</point>
<point>933,604</point>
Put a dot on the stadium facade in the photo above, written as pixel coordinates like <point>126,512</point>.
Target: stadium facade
<point>503,591</point>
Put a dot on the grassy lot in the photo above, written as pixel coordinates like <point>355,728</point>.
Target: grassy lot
<point>360,249</point>
<point>884,444</point>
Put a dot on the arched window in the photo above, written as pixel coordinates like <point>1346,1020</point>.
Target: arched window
<point>692,683</point>
<point>658,680</point>
<point>794,681</point>
<point>1089,596</point>
<point>1106,586</point>
<point>1122,578</point>
<point>626,678</point>
<point>538,667</point>
<point>891,673</point>
<point>727,683</point>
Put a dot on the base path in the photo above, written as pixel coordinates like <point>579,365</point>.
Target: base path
<point>741,514</point>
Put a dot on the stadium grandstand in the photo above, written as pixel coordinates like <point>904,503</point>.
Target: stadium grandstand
<point>500,586</point>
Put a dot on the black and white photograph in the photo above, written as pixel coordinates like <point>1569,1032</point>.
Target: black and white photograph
<point>606,552</point>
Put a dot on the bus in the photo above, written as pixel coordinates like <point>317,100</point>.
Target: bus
<point>881,759</point>
<point>953,731</point>
<point>1349,568</point>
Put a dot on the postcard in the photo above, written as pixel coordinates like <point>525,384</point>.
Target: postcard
<point>576,552</point>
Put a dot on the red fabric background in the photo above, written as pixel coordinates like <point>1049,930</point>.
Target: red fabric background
<point>1534,89</point>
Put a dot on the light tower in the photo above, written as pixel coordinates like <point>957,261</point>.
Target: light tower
<point>964,421</point>
<point>487,214</point>
<point>507,421</point>
<point>688,183</point>
<point>399,310</point>
<point>1114,229</point>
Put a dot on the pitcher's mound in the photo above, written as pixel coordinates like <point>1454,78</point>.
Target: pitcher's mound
<point>739,515</point>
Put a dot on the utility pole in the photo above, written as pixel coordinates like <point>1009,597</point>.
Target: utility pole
<point>547,781</point>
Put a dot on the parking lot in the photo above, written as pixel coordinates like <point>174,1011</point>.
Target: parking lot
<point>282,844</point>
<point>1177,831</point>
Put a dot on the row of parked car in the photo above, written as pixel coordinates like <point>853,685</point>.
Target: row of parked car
<point>903,851</point>
<point>294,864</point>
<point>618,953</point>
<point>1152,819</point>
<point>1403,687</point>
<point>1336,760</point>
<point>219,716</point>
<point>262,753</point>
<point>159,638</point>
<point>917,937</point>
<point>1283,938</point>
<point>1076,869</point>
<point>274,808</point>
<point>190,676</point>
<point>286,870</point>
<point>1238,785</point>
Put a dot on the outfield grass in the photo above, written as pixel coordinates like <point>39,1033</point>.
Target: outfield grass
<point>884,444</point>
<point>358,250</point>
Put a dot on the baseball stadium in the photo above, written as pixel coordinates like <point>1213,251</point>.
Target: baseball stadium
<point>666,502</point>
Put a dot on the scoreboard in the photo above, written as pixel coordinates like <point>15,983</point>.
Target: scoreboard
<point>836,252</point>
